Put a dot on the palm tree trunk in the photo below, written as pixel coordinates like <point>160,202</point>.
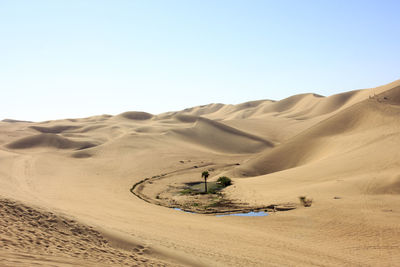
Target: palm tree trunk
<point>205,185</point>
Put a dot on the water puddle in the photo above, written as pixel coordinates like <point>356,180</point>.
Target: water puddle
<point>246,214</point>
<point>183,210</point>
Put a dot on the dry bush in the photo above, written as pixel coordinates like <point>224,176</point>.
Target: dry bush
<point>306,202</point>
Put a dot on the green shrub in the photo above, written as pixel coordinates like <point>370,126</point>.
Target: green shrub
<point>224,181</point>
<point>187,191</point>
<point>212,190</point>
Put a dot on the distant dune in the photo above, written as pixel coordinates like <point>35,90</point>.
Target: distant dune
<point>65,185</point>
<point>48,140</point>
<point>55,128</point>
<point>311,144</point>
<point>136,115</point>
<point>218,136</point>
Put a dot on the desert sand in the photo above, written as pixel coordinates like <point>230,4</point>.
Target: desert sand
<point>66,200</point>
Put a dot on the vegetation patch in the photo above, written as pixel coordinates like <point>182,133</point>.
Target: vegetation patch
<point>202,197</point>
<point>187,191</point>
<point>199,188</point>
<point>224,181</point>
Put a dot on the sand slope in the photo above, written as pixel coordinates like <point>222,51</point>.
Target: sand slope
<point>328,137</point>
<point>48,140</point>
<point>218,136</point>
<point>27,229</point>
<point>65,185</point>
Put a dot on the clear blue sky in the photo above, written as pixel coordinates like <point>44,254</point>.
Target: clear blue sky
<point>77,58</point>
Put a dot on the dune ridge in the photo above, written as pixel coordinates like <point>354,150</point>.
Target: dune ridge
<point>220,137</point>
<point>55,129</point>
<point>360,117</point>
<point>49,140</point>
<point>136,115</point>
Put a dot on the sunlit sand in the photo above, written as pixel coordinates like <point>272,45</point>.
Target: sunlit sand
<point>103,190</point>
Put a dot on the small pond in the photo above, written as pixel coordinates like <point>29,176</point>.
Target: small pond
<point>183,210</point>
<point>246,214</point>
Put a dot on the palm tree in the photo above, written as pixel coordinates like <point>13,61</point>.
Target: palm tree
<point>205,174</point>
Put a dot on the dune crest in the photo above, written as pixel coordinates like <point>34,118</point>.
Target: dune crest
<point>220,137</point>
<point>55,129</point>
<point>136,115</point>
<point>48,140</point>
<point>318,140</point>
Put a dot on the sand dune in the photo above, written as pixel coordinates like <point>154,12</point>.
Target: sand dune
<point>25,229</point>
<point>220,137</point>
<point>65,186</point>
<point>48,140</point>
<point>14,121</point>
<point>55,129</point>
<point>136,115</point>
<point>323,138</point>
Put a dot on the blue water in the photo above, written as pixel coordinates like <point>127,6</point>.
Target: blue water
<point>248,214</point>
<point>183,210</point>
